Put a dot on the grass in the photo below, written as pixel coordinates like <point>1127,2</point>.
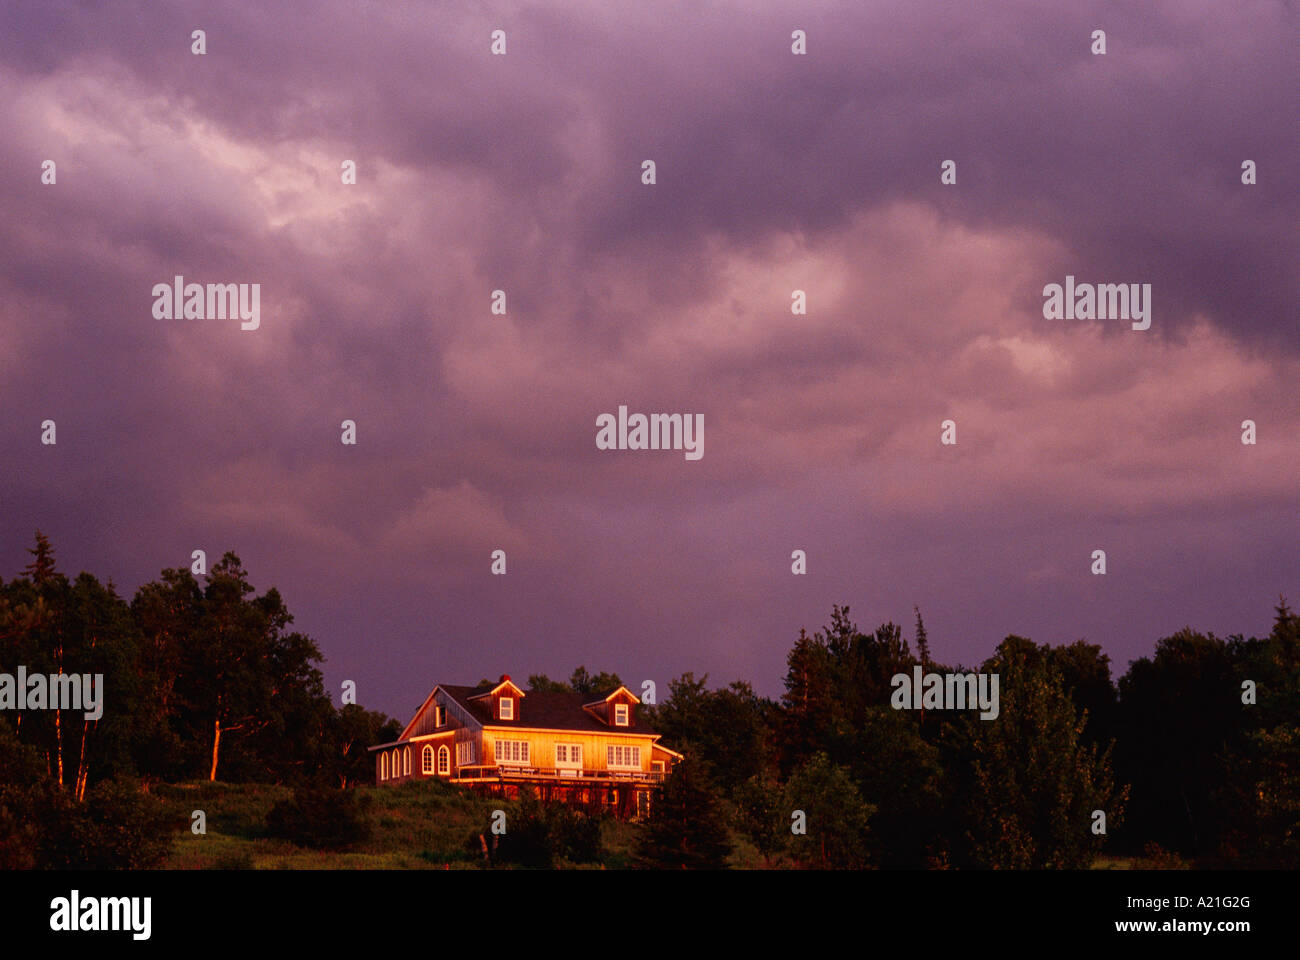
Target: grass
<point>421,825</point>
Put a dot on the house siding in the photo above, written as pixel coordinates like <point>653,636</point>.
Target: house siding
<point>595,782</point>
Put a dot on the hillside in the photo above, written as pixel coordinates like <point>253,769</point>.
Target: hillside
<point>423,825</point>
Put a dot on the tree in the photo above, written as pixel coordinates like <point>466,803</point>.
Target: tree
<point>1180,715</point>
<point>41,568</point>
<point>898,773</point>
<point>540,682</point>
<point>168,612</point>
<point>686,828</point>
<point>807,705</point>
<point>1275,759</point>
<point>1260,793</point>
<point>729,730</point>
<point>1085,670</point>
<point>1033,780</point>
<point>231,674</point>
<point>84,629</point>
<point>760,814</point>
<point>592,686</point>
<point>922,640</point>
<point>352,730</point>
<point>836,817</point>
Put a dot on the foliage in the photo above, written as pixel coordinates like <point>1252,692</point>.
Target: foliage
<point>1034,780</point>
<point>541,834</point>
<point>687,827</point>
<point>321,818</point>
<point>836,816</point>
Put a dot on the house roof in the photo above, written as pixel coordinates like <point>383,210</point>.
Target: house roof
<point>505,682</point>
<point>619,690</point>
<point>543,708</point>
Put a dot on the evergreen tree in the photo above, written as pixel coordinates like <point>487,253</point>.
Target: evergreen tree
<point>41,568</point>
<point>922,641</point>
<point>728,730</point>
<point>760,814</point>
<point>686,828</point>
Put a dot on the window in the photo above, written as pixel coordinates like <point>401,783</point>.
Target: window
<point>439,716</point>
<point>620,714</point>
<point>426,760</point>
<point>657,766</point>
<point>568,755</point>
<point>444,760</point>
<point>406,762</point>
<point>512,751</point>
<point>464,753</point>
<point>383,766</point>
<point>507,708</point>
<point>627,757</point>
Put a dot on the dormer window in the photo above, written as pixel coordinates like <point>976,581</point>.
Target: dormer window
<point>506,708</point>
<point>620,714</point>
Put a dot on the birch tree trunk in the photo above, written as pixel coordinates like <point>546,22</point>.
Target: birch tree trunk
<point>80,788</point>
<point>216,745</point>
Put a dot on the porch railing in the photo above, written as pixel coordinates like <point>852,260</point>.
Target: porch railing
<point>517,772</point>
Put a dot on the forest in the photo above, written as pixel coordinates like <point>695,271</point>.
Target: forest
<point>1191,758</point>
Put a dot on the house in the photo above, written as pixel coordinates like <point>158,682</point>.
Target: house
<point>497,737</point>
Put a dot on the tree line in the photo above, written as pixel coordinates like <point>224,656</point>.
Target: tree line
<point>201,680</point>
<point>1193,754</point>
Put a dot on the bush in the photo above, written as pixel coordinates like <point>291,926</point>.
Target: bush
<point>538,834</point>
<point>575,835</point>
<point>118,827</point>
<point>320,818</point>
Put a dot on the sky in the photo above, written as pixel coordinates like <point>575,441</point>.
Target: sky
<point>774,172</point>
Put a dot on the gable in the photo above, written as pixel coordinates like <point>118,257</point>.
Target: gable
<point>425,719</point>
<point>606,710</point>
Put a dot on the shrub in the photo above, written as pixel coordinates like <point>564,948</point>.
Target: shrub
<point>117,827</point>
<point>538,834</point>
<point>320,818</point>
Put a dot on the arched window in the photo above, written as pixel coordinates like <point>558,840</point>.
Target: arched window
<point>383,766</point>
<point>444,760</point>
<point>406,761</point>
<point>426,760</point>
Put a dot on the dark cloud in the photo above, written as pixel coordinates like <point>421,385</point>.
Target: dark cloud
<point>775,173</point>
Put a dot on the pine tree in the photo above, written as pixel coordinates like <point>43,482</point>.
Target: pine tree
<point>922,641</point>
<point>686,828</point>
<point>41,568</point>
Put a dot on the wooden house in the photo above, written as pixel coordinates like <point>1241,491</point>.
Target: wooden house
<point>498,737</point>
